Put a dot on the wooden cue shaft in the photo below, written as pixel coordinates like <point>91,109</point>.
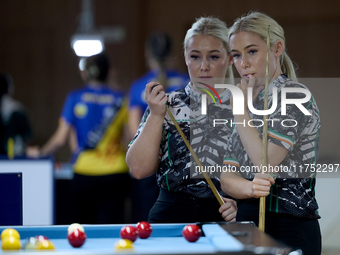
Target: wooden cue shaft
<point>206,176</point>
<point>265,137</point>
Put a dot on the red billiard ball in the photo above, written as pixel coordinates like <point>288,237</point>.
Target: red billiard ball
<point>191,232</point>
<point>76,238</point>
<point>129,232</point>
<point>144,229</point>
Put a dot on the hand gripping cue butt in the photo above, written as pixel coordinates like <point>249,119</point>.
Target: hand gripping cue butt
<point>265,137</point>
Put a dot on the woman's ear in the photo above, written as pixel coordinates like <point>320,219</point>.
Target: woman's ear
<point>186,59</point>
<point>278,49</point>
<point>231,60</point>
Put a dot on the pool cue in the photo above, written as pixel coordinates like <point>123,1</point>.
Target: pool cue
<point>206,176</point>
<point>265,137</point>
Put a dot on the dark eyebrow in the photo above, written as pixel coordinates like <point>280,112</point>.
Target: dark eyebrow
<point>212,51</point>
<point>247,47</point>
<point>250,45</point>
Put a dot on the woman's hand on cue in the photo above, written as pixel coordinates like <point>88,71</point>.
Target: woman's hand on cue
<point>261,185</point>
<point>228,210</point>
<point>156,99</point>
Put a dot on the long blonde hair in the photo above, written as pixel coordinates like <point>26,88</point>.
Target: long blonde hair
<point>213,27</point>
<point>257,23</point>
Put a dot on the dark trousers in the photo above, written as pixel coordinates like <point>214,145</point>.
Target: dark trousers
<point>178,207</point>
<point>99,199</point>
<point>299,233</point>
<point>144,194</point>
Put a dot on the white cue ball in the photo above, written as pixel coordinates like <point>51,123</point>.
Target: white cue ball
<point>75,226</point>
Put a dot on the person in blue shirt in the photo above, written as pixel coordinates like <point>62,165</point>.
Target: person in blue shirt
<point>157,51</point>
<point>98,115</point>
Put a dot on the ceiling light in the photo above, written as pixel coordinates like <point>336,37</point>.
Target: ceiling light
<point>86,42</point>
<point>87,45</point>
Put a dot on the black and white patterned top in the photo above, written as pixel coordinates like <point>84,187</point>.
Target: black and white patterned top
<point>294,189</point>
<point>176,171</point>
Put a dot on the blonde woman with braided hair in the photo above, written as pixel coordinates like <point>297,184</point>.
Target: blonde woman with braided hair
<point>293,138</point>
<point>183,198</point>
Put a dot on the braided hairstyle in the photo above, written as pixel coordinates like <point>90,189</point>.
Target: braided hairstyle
<point>97,67</point>
<point>159,45</point>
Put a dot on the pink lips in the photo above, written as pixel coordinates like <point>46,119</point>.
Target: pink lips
<point>248,75</point>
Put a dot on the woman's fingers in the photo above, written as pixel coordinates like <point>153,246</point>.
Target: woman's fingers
<point>156,98</point>
<point>228,210</point>
<point>262,184</point>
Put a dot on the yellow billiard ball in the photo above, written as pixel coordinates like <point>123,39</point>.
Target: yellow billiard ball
<point>124,244</point>
<point>45,245</point>
<point>10,232</point>
<point>10,243</point>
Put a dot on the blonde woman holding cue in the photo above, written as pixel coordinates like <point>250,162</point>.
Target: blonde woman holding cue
<point>158,146</point>
<point>291,208</point>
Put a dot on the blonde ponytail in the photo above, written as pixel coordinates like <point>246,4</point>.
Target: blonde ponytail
<point>287,66</point>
